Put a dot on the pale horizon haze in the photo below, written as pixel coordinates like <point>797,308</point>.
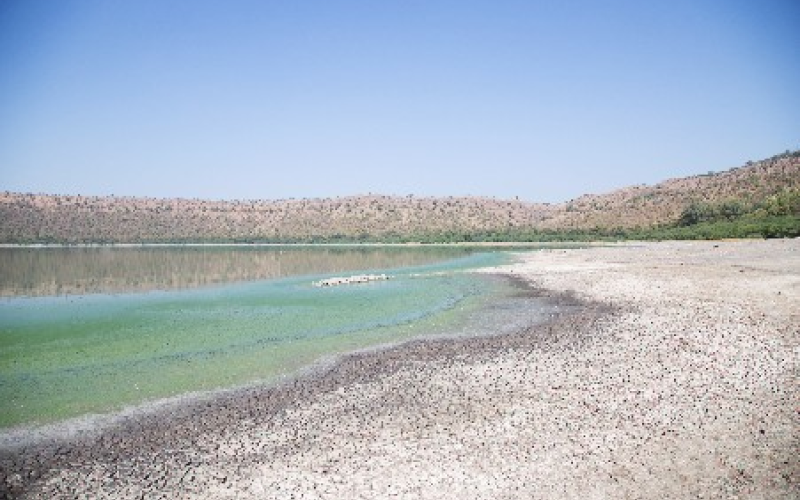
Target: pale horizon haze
<point>540,100</point>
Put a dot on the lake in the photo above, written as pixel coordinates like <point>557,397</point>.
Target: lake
<point>94,330</point>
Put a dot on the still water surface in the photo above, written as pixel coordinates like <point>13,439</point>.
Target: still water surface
<point>94,330</point>
<point>59,271</point>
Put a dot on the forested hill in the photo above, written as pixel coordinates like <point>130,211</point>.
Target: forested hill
<point>761,194</point>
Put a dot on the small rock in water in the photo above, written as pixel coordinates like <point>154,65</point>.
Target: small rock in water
<point>363,278</point>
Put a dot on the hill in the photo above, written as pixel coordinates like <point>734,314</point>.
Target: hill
<point>646,206</point>
<point>767,188</point>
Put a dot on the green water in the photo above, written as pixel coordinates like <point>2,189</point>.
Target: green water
<point>68,355</point>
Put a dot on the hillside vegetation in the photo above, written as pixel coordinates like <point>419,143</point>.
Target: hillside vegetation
<point>758,199</point>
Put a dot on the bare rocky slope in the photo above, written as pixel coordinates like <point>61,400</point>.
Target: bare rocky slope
<point>42,218</point>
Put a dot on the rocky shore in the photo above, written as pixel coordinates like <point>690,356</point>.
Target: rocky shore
<point>671,373</point>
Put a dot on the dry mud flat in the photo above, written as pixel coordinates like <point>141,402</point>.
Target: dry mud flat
<point>676,379</point>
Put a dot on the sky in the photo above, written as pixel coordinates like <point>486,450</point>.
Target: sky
<point>543,100</point>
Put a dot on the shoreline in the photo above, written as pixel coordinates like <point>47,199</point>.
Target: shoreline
<point>93,425</point>
<point>31,452</point>
<point>675,377</point>
<point>469,309</point>
<point>477,244</point>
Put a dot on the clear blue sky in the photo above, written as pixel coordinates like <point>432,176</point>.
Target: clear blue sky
<point>545,100</point>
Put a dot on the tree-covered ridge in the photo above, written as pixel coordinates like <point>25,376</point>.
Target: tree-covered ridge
<point>758,199</point>
<point>786,202</point>
<point>77,219</point>
<point>648,206</point>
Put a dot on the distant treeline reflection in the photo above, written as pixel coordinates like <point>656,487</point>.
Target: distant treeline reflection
<point>68,271</point>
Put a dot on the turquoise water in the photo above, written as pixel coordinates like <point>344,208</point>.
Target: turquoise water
<point>71,355</point>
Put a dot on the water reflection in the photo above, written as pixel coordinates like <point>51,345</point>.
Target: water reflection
<point>66,271</point>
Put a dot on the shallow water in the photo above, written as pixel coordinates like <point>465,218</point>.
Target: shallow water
<point>70,355</point>
<point>82,270</point>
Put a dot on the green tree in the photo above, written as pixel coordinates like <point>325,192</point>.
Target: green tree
<point>695,213</point>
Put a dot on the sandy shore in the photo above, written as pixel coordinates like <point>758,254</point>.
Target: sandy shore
<point>676,378</point>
